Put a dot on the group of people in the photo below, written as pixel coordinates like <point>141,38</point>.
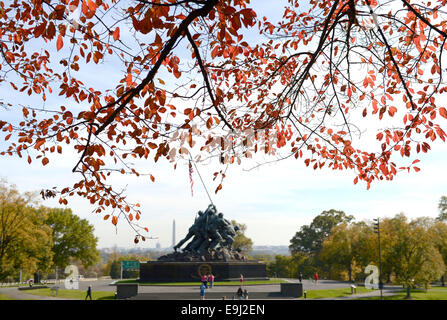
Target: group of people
<point>210,229</point>
<point>207,279</point>
<point>242,294</point>
<point>207,282</point>
<point>315,277</point>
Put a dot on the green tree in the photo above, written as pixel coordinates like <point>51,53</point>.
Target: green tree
<point>337,250</point>
<point>241,241</point>
<point>289,266</point>
<point>349,249</point>
<point>25,240</point>
<point>73,237</point>
<point>310,237</point>
<point>412,253</point>
<point>442,206</point>
<point>115,269</point>
<point>438,231</point>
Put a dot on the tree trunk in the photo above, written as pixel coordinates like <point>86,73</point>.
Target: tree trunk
<point>408,292</point>
<point>350,273</point>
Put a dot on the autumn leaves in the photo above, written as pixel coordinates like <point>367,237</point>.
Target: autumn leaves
<point>186,69</point>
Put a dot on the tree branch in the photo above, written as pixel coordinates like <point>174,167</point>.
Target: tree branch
<point>205,78</point>
<point>163,55</point>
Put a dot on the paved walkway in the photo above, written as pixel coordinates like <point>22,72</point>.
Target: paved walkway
<point>259,292</point>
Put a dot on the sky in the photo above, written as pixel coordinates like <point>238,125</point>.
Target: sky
<point>273,200</point>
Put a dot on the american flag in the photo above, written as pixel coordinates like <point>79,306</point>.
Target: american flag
<point>190,177</point>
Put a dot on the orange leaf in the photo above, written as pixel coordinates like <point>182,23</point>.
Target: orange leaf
<point>392,111</point>
<point>116,34</point>
<point>84,7</point>
<point>59,43</point>
<point>115,220</point>
<point>106,216</point>
<point>92,5</point>
<point>45,161</point>
<point>443,112</point>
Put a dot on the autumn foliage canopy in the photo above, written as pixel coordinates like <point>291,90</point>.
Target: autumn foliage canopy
<point>221,79</point>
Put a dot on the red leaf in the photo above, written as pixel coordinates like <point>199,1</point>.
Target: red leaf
<point>45,161</point>
<point>116,34</point>
<point>59,43</point>
<point>84,7</point>
<point>443,112</point>
<point>92,5</point>
<point>392,111</point>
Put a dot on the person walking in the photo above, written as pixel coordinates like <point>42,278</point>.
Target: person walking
<point>202,292</point>
<point>300,277</point>
<point>211,280</point>
<point>205,281</point>
<point>89,293</point>
<point>316,277</point>
<point>245,294</point>
<point>241,279</point>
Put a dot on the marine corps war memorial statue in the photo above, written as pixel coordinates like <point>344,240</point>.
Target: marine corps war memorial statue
<point>207,248</point>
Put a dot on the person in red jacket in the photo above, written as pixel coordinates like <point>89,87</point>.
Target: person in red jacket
<point>205,281</point>
<point>316,277</point>
<point>211,279</point>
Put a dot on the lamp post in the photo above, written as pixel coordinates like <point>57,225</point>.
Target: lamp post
<point>377,230</point>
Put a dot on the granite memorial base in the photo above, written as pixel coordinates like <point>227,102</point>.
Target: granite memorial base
<point>126,290</point>
<point>292,290</point>
<point>164,271</point>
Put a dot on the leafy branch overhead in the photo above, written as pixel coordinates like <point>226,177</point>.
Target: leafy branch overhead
<point>343,84</point>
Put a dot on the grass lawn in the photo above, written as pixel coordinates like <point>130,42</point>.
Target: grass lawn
<point>217,283</point>
<point>13,285</point>
<point>333,293</point>
<point>436,293</point>
<point>74,294</point>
